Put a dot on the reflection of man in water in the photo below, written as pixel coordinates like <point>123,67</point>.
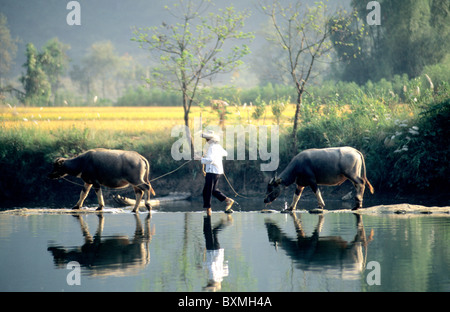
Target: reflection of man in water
<point>214,262</point>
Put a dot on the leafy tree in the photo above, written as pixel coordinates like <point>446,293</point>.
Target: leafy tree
<point>412,35</point>
<point>193,50</point>
<point>8,48</point>
<point>44,70</point>
<point>351,46</point>
<point>99,63</point>
<point>54,62</point>
<point>103,60</point>
<point>260,108</point>
<point>128,73</point>
<point>35,81</point>
<point>83,75</point>
<point>278,106</point>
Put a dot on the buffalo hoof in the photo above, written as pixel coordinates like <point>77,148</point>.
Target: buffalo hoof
<point>149,208</point>
<point>316,210</point>
<point>358,205</point>
<point>76,208</point>
<point>100,208</point>
<point>288,210</point>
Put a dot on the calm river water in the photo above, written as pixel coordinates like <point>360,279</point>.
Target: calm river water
<point>177,249</point>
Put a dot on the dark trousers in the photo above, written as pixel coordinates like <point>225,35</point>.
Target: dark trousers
<point>211,189</point>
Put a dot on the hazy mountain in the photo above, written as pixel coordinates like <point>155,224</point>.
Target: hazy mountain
<point>38,21</point>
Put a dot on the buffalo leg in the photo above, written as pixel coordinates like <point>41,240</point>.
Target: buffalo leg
<point>147,201</point>
<point>297,194</point>
<point>359,185</point>
<point>316,191</point>
<point>83,195</point>
<point>139,193</point>
<point>359,195</point>
<point>101,202</point>
<point>320,199</point>
<point>147,188</point>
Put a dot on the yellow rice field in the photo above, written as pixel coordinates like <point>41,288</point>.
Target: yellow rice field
<point>124,119</point>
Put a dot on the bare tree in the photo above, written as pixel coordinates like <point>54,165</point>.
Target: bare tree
<point>193,49</point>
<point>302,32</point>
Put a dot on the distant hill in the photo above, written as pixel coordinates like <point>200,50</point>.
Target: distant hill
<point>38,21</point>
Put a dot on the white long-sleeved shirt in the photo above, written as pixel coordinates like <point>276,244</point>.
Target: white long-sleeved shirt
<point>213,158</point>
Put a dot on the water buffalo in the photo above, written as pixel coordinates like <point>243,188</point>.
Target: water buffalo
<point>110,168</point>
<point>328,166</point>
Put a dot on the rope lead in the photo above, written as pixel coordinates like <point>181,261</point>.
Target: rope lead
<point>173,171</point>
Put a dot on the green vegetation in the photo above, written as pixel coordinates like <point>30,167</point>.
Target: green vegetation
<point>411,36</point>
<point>406,144</point>
<point>326,78</point>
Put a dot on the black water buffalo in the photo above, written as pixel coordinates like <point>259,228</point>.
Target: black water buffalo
<point>110,168</point>
<point>328,166</point>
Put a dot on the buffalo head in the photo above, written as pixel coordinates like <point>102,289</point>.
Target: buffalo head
<point>273,190</point>
<point>58,169</point>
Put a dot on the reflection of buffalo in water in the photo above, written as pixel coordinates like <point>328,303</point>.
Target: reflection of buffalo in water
<point>114,255</point>
<point>329,254</point>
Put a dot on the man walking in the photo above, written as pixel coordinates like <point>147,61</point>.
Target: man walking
<point>213,170</point>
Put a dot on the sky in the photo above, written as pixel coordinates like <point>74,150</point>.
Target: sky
<point>38,21</point>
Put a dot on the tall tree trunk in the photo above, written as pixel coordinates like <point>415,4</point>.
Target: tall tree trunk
<point>296,120</point>
<point>187,107</point>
